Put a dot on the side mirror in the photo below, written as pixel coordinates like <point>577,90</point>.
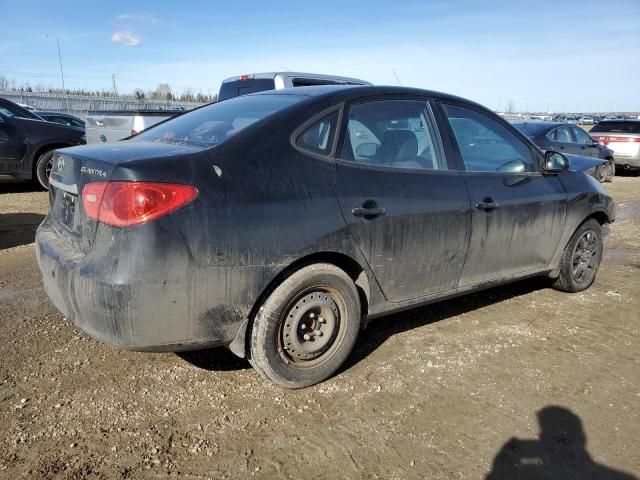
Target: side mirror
<point>367,149</point>
<point>555,162</point>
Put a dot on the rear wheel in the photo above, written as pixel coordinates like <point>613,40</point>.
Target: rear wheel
<point>306,328</point>
<point>43,168</point>
<point>581,258</point>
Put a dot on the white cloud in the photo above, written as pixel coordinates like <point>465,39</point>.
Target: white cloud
<point>137,17</point>
<point>127,38</point>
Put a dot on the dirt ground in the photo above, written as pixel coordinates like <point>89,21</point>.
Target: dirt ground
<point>454,390</point>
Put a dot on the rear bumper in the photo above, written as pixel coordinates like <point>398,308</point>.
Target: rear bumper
<point>135,310</point>
<point>623,160</point>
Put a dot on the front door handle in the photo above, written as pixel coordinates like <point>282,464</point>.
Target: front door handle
<point>562,147</point>
<point>487,205</point>
<point>368,212</point>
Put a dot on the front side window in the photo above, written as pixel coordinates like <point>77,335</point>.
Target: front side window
<point>393,133</point>
<point>581,136</point>
<point>318,138</point>
<point>485,145</point>
<point>213,124</point>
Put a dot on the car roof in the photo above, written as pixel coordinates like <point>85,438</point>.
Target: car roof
<point>328,91</point>
<point>40,112</point>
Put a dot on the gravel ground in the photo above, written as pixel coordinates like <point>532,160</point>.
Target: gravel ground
<point>454,390</point>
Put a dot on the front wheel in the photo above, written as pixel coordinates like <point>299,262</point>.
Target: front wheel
<point>602,173</point>
<point>581,258</point>
<point>307,327</point>
<point>43,169</point>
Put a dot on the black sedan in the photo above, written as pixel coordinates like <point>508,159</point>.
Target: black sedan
<point>61,118</point>
<point>27,143</point>
<point>571,139</point>
<point>278,223</point>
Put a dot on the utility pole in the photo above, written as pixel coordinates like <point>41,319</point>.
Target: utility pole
<point>64,90</point>
<point>115,89</point>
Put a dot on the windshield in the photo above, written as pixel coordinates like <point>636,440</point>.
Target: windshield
<point>531,129</point>
<point>213,124</point>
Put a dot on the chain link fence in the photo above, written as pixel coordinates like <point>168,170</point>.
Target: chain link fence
<point>79,105</point>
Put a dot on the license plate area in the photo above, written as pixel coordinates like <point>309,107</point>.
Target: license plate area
<point>65,209</point>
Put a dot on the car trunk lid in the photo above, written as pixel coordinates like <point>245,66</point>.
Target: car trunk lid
<point>74,167</point>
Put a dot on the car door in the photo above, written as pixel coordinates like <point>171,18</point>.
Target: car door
<point>518,213</point>
<point>563,140</point>
<point>584,144</point>
<point>408,212</point>
<point>12,143</point>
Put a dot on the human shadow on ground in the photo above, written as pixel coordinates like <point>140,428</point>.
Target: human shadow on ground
<point>559,454</point>
<point>18,228</point>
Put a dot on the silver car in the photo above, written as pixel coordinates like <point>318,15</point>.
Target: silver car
<point>623,137</point>
<point>259,82</point>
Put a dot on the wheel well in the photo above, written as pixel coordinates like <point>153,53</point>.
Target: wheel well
<point>42,150</point>
<point>340,260</point>
<point>601,217</point>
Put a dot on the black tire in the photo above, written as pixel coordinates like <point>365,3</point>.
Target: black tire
<point>612,171</point>
<point>602,173</point>
<point>43,168</point>
<point>581,258</point>
<point>316,297</point>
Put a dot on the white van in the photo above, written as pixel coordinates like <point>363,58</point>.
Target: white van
<point>258,82</point>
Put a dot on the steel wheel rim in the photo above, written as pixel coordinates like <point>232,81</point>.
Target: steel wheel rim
<point>584,257</point>
<point>311,328</point>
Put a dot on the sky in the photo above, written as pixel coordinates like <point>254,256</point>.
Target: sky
<point>575,56</point>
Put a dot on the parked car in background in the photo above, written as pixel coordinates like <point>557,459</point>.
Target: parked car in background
<point>623,138</point>
<point>571,139</point>
<point>259,82</point>
<point>26,107</point>
<point>572,119</point>
<point>278,223</point>
<point>27,143</point>
<point>105,126</point>
<point>586,120</point>
<point>61,118</point>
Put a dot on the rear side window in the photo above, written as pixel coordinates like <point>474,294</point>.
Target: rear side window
<point>487,146</point>
<point>213,124</point>
<point>617,127</point>
<point>318,138</point>
<point>243,87</point>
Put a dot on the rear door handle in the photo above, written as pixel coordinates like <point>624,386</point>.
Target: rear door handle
<point>486,206</point>
<point>368,213</point>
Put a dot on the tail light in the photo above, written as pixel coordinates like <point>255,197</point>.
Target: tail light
<point>135,132</point>
<point>625,139</point>
<point>124,204</point>
<point>605,139</point>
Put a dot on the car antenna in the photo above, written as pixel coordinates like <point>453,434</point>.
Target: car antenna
<point>396,75</point>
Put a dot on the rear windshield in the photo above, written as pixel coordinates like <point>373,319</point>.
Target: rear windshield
<point>616,127</point>
<point>531,129</point>
<point>243,87</point>
<point>213,124</point>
